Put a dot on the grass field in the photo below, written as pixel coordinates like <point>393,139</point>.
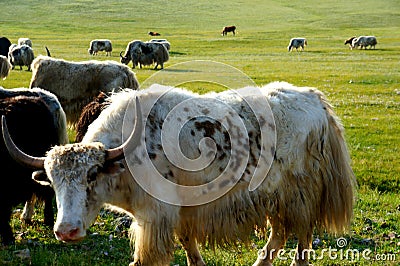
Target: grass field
<point>362,85</point>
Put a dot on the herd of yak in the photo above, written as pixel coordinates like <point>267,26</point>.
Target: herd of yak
<point>64,93</point>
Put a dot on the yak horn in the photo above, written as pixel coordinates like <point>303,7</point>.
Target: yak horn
<point>120,54</point>
<point>47,51</point>
<point>133,140</point>
<point>18,155</point>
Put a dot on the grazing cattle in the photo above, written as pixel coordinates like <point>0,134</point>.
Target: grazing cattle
<point>296,43</point>
<point>78,82</point>
<point>307,182</point>
<point>163,42</point>
<point>145,53</point>
<point>90,113</point>
<point>364,41</point>
<point>349,41</point>
<point>227,29</point>
<point>26,41</point>
<point>4,46</point>
<point>21,56</point>
<point>37,123</point>
<point>5,67</point>
<point>153,33</point>
<point>100,45</point>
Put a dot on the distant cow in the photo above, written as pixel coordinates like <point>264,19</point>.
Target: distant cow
<point>26,41</point>
<point>4,46</point>
<point>100,45</point>
<point>308,185</point>
<point>153,33</point>
<point>296,43</point>
<point>21,55</point>
<point>227,29</point>
<point>163,42</point>
<point>5,67</point>
<point>349,41</point>
<point>364,41</point>
<point>90,113</point>
<point>145,53</point>
<point>38,122</point>
<point>78,82</point>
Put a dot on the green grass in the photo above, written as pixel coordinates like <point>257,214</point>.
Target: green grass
<point>363,86</point>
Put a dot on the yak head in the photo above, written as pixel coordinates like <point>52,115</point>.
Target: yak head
<point>80,175</point>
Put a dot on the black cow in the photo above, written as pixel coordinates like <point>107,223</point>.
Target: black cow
<point>4,45</point>
<point>153,33</point>
<point>227,29</point>
<point>38,122</point>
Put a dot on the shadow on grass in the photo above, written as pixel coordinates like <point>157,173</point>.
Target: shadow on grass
<point>177,53</point>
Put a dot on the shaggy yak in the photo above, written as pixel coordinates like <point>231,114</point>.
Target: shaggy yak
<point>144,54</point>
<point>37,122</point>
<point>78,82</point>
<point>306,183</point>
<point>227,29</point>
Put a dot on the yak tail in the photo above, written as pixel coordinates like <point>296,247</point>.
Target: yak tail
<point>47,51</point>
<point>336,209</point>
<point>5,67</point>
<point>165,54</point>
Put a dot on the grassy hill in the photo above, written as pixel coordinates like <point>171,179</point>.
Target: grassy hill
<point>363,86</point>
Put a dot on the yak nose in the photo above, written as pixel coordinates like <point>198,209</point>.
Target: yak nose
<point>68,232</point>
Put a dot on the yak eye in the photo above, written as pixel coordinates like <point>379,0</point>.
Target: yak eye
<point>92,174</point>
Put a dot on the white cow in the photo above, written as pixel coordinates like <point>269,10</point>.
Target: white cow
<point>296,43</point>
<point>100,45</point>
<point>26,41</point>
<point>307,183</point>
<point>364,41</point>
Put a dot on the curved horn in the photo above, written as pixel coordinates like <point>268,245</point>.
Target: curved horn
<point>133,140</point>
<point>16,153</point>
<point>120,54</point>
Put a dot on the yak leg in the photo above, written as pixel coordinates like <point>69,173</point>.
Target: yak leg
<point>47,195</point>
<point>6,233</point>
<point>162,66</point>
<point>303,249</point>
<point>193,255</point>
<point>154,241</point>
<point>29,208</point>
<point>276,241</point>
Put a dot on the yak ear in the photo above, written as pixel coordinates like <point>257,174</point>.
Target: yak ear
<point>41,178</point>
<point>113,168</point>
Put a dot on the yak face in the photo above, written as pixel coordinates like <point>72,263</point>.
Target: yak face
<point>125,59</point>
<point>129,52</point>
<point>81,175</point>
<point>76,172</point>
